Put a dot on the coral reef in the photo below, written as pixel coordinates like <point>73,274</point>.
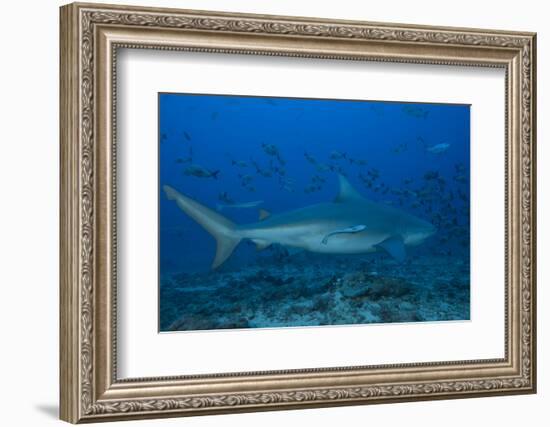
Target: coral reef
<point>314,290</point>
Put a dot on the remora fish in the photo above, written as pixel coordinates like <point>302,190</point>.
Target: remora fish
<point>385,228</point>
<point>244,205</point>
<point>352,229</point>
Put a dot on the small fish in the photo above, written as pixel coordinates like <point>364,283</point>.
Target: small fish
<point>337,155</point>
<point>214,115</point>
<point>431,175</point>
<point>272,150</point>
<point>266,173</point>
<point>439,148</point>
<point>163,137</point>
<point>188,159</point>
<point>417,112</point>
<point>337,168</point>
<point>310,158</point>
<point>399,148</point>
<point>279,170</point>
<point>459,167</point>
<point>322,167</point>
<point>373,173</point>
<point>184,160</point>
<point>239,163</point>
<point>245,205</point>
<point>424,194</point>
<point>187,136</point>
<point>201,172</point>
<point>312,188</point>
<point>460,178</point>
<point>246,179</point>
<point>224,197</point>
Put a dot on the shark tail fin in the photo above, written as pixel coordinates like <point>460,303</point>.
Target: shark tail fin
<point>222,229</point>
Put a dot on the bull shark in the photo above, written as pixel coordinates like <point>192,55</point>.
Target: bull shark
<point>350,224</point>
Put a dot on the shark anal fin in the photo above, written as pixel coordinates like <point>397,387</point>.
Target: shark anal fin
<point>261,244</point>
<point>264,214</point>
<point>395,247</point>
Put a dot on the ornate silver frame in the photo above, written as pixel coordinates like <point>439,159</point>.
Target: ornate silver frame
<point>90,36</point>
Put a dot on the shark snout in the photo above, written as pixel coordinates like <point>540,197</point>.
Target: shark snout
<point>427,231</point>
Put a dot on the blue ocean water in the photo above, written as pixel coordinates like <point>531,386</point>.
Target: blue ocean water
<point>281,154</point>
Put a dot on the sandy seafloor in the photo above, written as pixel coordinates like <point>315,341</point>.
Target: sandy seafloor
<point>314,290</point>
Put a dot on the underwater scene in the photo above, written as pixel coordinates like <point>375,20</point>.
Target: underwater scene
<point>292,212</point>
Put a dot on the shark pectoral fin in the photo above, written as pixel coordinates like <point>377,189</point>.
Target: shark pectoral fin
<point>264,214</point>
<point>261,244</point>
<point>395,247</point>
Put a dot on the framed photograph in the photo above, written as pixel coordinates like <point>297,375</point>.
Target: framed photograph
<point>266,212</point>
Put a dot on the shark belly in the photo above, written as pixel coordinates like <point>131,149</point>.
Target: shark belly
<point>344,244</point>
<point>297,236</point>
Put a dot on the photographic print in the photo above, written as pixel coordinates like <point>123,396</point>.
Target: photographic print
<point>293,212</point>
<point>319,226</point>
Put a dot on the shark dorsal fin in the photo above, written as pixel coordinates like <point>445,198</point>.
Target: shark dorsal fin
<point>264,214</point>
<point>346,192</point>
